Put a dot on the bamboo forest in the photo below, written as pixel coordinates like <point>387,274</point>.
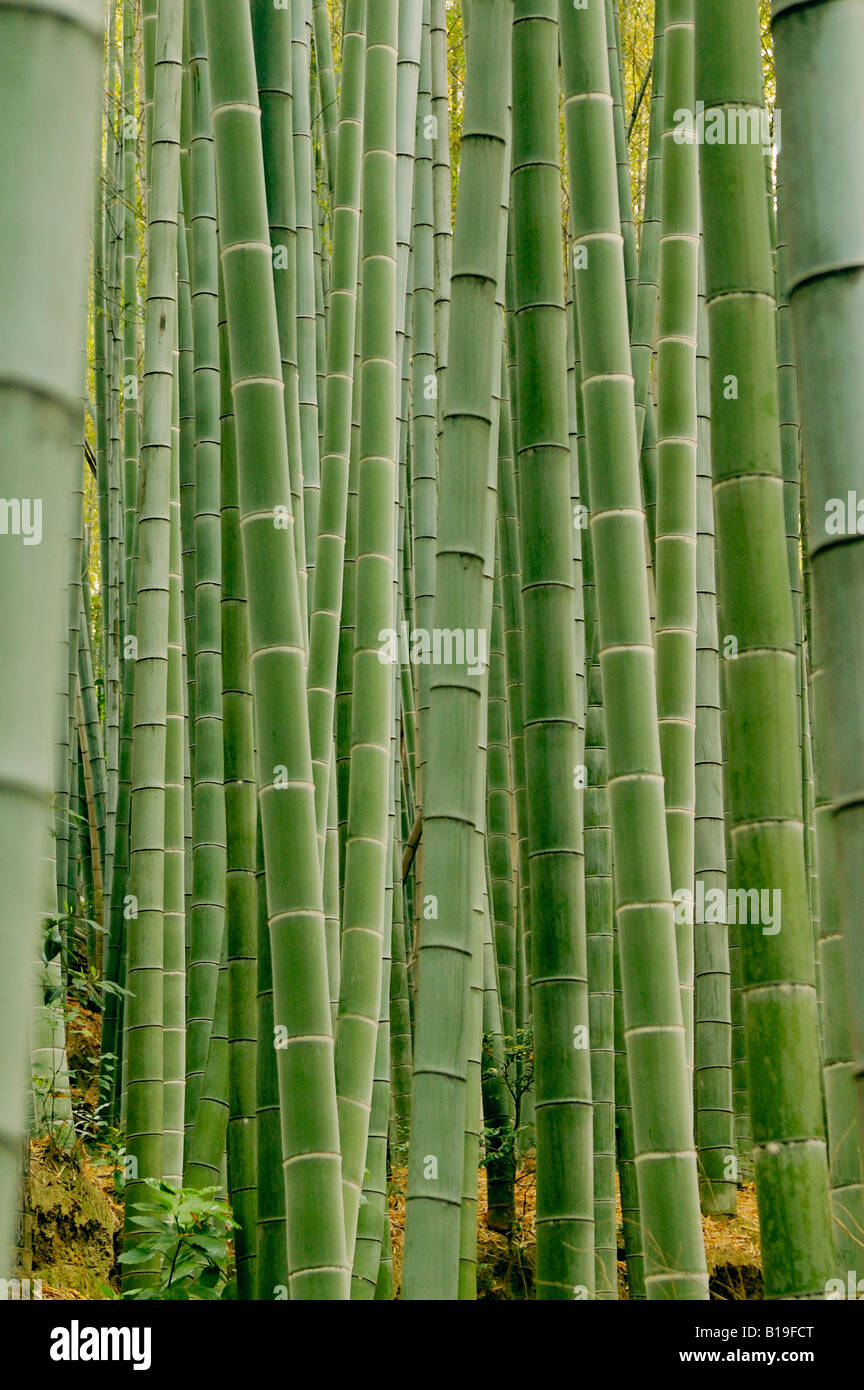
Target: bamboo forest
<point>431,690</point>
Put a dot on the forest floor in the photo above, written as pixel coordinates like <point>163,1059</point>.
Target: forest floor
<point>505,1264</point>
<point>76,1216</point>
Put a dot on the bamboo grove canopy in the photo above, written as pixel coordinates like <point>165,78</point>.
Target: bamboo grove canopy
<point>432,696</point>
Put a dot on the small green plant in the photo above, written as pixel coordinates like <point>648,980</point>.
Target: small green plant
<point>517,1071</point>
<point>188,1231</point>
<point>85,986</point>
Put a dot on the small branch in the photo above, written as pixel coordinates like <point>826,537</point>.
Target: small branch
<point>410,850</point>
<point>638,102</point>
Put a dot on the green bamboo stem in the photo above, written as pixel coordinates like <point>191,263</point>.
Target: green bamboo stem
<point>498,1103</point>
<point>653,1025</point>
<point>46,1030</point>
<point>93,728</point>
<point>765,802</point>
<point>209,849</point>
<point>675,570</point>
<point>115,891</point>
<point>846,1173</point>
<point>435,1178</point>
<point>328,575</point>
<point>441,191</point>
<point>480,925</point>
<point>187,399</point>
<point>241,890</point>
<point>366,847</point>
<point>301,1015</point>
<point>330,100</point>
<point>823,278</point>
<point>374,1211</point>
<point>648,289</point>
<point>271,29</point>
<point>173,920</point>
<point>271,1238</point>
<point>622,158</point>
<point>715,1138</point>
<point>144,1012</point>
<point>596,846</point>
<point>304,164</point>
<point>500,821</point>
<point>558,963</point>
<point>424,394</point>
<point>401,1038</point>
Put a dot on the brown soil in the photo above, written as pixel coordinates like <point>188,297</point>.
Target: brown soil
<point>505,1266</point>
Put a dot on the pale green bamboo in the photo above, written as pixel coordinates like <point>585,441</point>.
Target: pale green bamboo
<point>675,569</point>
<point>328,577</point>
<point>374,1211</point>
<point>435,1179</point>
<point>187,406</point>
<point>653,1025</point>
<point>271,29</point>
<point>764,767</point>
<point>401,1042</point>
<point>94,740</point>
<point>441,189</point>
<point>644,326</point>
<point>480,924</point>
<point>622,158</point>
<point>304,165</point>
<point>332,922</point>
<point>597,849</point>
<point>144,1012</point>
<point>112,577</point>
<point>558,959</point>
<point>366,847</point>
<point>407,85</point>
<point>715,1137</point>
<point>500,823</point>
<point>173,920</point>
<point>824,281</point>
<point>271,1239</point>
<point>241,890</point>
<point>46,1031</point>
<point>301,1012</point>
<point>330,102</point>
<point>424,394</point>
<point>844,1152</point>
<point>114,966</point>
<point>209,852</point>
<point>347,617</point>
<point>498,1101</point>
<point>846,1172</point>
<point>205,1147</point>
